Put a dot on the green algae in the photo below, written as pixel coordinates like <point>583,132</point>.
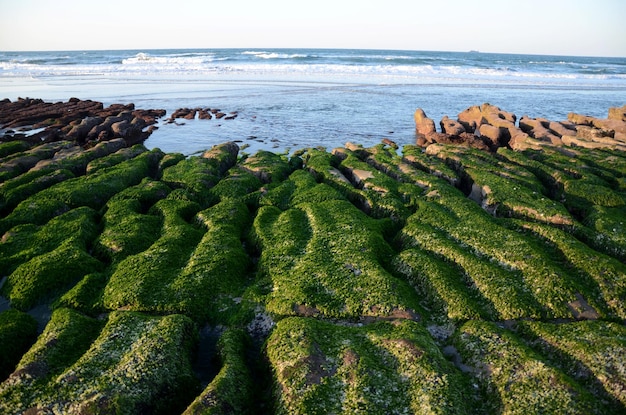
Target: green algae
<point>309,254</point>
<point>136,363</point>
<point>18,332</point>
<point>231,391</point>
<point>593,352</point>
<point>344,257</point>
<point>386,368</point>
<point>507,369</point>
<point>92,191</point>
<point>24,242</point>
<point>66,337</point>
<point>140,282</point>
<point>11,147</point>
<point>49,274</point>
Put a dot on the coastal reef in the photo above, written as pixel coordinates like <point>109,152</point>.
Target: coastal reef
<point>442,277</point>
<point>487,127</point>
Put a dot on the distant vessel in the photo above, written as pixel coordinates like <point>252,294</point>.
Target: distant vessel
<point>474,51</point>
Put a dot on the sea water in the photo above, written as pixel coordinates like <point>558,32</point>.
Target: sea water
<point>288,99</point>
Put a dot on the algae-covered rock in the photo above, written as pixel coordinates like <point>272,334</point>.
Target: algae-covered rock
<point>137,363</point>
<point>356,280</point>
<point>381,368</point>
<point>18,331</point>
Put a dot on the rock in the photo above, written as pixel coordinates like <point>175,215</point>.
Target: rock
<point>580,119</point>
<point>536,128</point>
<point>423,124</point>
<point>617,113</point>
<point>452,127</point>
<point>471,118</point>
<point>562,129</point>
<point>76,120</point>
<point>493,134</point>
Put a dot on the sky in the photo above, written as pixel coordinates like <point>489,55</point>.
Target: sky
<point>555,27</point>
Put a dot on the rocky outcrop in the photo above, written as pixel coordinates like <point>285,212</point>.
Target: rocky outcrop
<point>84,122</point>
<point>487,127</point>
<point>201,114</point>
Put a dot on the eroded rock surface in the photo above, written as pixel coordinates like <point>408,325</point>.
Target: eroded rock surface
<point>487,126</point>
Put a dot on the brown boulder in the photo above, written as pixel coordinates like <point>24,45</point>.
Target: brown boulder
<point>493,135</point>
<point>423,124</point>
<point>536,128</point>
<point>471,118</point>
<point>452,127</point>
<point>617,113</point>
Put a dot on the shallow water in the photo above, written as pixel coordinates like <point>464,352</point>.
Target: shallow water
<point>296,98</point>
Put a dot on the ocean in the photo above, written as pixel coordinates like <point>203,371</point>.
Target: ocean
<point>287,99</point>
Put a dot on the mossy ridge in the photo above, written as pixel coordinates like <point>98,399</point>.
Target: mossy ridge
<point>86,296</point>
<point>442,285</point>
<point>12,147</point>
<point>381,192</point>
<point>504,189</point>
<point>115,158</point>
<point>16,190</point>
<point>593,352</point>
<point>609,226</point>
<point>325,168</point>
<point>25,242</point>
<point>47,275</point>
<point>591,267</point>
<point>321,367</point>
<point>127,227</point>
<point>18,163</point>
<point>325,258</point>
<point>138,363</point>
<point>67,336</point>
<point>210,285</point>
<point>231,391</point>
<point>516,379</point>
<point>466,222</point>
<point>18,331</point>
<point>140,282</point>
<point>196,175</point>
<point>416,157</point>
<point>93,190</point>
<point>500,292</point>
<point>299,187</point>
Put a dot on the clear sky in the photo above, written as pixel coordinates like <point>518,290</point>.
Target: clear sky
<point>561,27</point>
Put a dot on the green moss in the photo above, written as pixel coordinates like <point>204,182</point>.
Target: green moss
<point>46,275</point>
<point>593,352</point>
<point>128,230</point>
<point>16,190</point>
<point>231,391</point>
<point>86,295</point>
<point>516,379</point>
<point>93,191</point>
<point>115,158</point>
<point>140,282</point>
<point>609,226</point>
<point>383,368</point>
<point>210,284</point>
<point>326,258</point>
<point>597,275</point>
<point>137,364</point>
<point>24,242</point>
<point>237,184</point>
<point>66,338</point>
<point>18,332</point>
<point>443,286</point>
<point>11,147</point>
